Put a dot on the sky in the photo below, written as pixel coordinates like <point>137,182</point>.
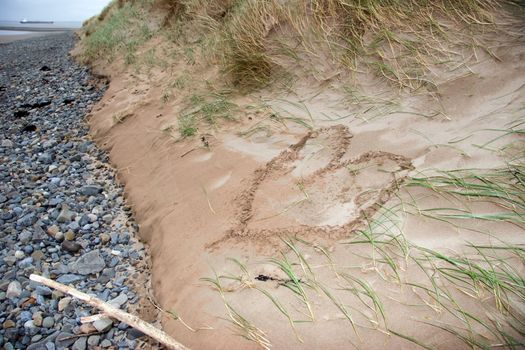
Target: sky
<point>50,10</point>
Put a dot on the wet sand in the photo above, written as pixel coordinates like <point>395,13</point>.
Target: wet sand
<point>15,37</point>
<point>14,33</point>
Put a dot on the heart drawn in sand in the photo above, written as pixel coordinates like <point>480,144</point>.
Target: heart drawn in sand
<point>314,187</point>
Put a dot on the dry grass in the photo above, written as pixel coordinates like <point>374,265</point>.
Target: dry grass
<point>119,29</point>
<point>251,39</point>
<point>399,40</point>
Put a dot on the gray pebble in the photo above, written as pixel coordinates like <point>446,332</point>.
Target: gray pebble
<point>93,340</point>
<point>105,343</point>
<point>70,278</point>
<point>13,290</point>
<point>89,263</point>
<point>42,290</point>
<point>7,143</point>
<point>119,301</point>
<point>91,190</point>
<point>80,344</point>
<point>65,215</point>
<point>63,342</point>
<point>103,324</point>
<point>25,236</point>
<point>48,322</point>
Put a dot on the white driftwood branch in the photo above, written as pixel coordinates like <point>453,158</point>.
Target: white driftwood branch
<point>112,311</point>
<point>92,318</point>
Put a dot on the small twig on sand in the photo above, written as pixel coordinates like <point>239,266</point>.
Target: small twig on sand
<point>188,152</point>
<point>112,311</point>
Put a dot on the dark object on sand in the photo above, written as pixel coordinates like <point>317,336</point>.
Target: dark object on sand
<point>41,104</point>
<point>45,69</point>
<point>29,128</point>
<point>21,113</point>
<point>38,104</point>
<point>68,100</point>
<point>264,278</point>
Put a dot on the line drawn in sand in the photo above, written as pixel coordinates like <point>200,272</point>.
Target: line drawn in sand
<point>315,188</point>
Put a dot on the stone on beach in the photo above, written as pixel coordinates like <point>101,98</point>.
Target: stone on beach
<point>89,263</point>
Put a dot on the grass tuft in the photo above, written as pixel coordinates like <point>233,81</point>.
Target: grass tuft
<point>123,28</point>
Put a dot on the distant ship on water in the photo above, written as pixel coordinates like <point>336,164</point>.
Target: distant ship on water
<point>25,21</point>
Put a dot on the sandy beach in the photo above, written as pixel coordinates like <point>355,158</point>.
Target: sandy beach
<point>13,31</point>
<point>297,196</point>
<point>6,37</point>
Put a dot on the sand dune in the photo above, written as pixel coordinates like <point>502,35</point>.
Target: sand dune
<point>354,191</point>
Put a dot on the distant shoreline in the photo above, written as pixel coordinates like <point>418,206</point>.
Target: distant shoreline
<point>4,39</point>
<point>37,29</point>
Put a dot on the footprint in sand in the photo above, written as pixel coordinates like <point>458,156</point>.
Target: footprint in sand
<point>310,189</point>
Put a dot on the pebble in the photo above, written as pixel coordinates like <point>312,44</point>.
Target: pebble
<point>59,236</point>
<point>56,295</point>
<point>119,301</point>
<point>69,278</point>
<point>14,290</point>
<point>38,255</point>
<point>7,144</point>
<point>64,340</point>
<point>91,190</point>
<point>57,199</point>
<point>53,230</point>
<point>103,324</point>
<point>25,316</point>
<point>87,328</point>
<point>25,236</point>
<point>80,344</point>
<point>48,322</point>
<point>108,218</point>
<point>25,263</point>
<point>70,246</point>
<point>93,340</point>
<point>134,334</point>
<point>106,343</point>
<point>89,263</point>
<point>69,235</point>
<point>38,319</point>
<point>42,290</point>
<point>65,215</point>
<point>63,303</point>
<point>105,238</point>
<point>8,324</point>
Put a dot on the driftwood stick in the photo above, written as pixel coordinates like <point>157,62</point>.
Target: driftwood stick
<point>92,318</point>
<point>112,311</point>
